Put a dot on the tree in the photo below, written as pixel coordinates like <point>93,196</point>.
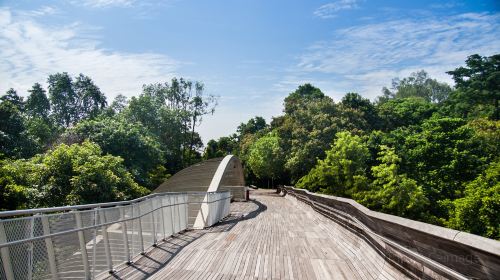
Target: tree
<point>140,150</point>
<point>172,112</point>
<point>68,175</point>
<point>199,106</point>
<point>224,146</point>
<point>37,105</point>
<point>307,129</point>
<point>90,100</point>
<point>343,171</point>
<point>14,190</point>
<point>303,93</point>
<point>78,174</point>
<point>478,86</point>
<point>39,125</point>
<point>391,191</point>
<point>118,105</point>
<point>16,100</point>
<point>359,113</point>
<point>62,98</point>
<point>442,157</point>
<point>418,84</point>
<point>404,112</point>
<point>266,157</point>
<point>478,211</point>
<point>14,141</point>
<point>252,126</point>
<point>72,101</point>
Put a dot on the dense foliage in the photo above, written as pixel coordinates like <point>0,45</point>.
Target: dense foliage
<point>422,150</point>
<point>75,174</point>
<point>68,146</point>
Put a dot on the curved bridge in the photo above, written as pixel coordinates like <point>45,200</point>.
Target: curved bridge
<point>289,234</point>
<point>217,174</point>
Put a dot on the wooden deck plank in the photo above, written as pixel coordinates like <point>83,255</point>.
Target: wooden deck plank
<point>270,237</point>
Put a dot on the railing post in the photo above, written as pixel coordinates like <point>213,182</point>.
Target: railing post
<point>125,234</point>
<point>171,203</point>
<point>5,254</point>
<point>186,209</point>
<point>177,214</point>
<point>139,229</point>
<point>94,243</point>
<point>153,225</point>
<point>209,209</point>
<point>162,217</point>
<point>50,247</point>
<point>107,249</point>
<point>83,246</point>
<point>30,261</point>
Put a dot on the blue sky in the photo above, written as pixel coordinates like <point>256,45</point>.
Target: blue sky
<point>249,53</point>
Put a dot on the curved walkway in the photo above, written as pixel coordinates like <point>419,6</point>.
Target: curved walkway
<point>270,237</point>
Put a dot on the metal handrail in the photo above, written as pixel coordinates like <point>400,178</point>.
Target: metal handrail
<point>159,215</point>
<point>88,206</point>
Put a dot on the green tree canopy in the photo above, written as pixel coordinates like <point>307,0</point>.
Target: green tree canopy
<point>14,141</point>
<point>12,97</point>
<point>37,105</point>
<point>478,211</point>
<point>305,92</point>
<point>393,192</point>
<point>343,171</point>
<point>478,86</point>
<point>139,148</point>
<point>252,126</point>
<point>266,157</point>
<point>224,146</point>
<point>404,112</point>
<point>68,175</point>
<point>418,84</point>
<point>72,101</point>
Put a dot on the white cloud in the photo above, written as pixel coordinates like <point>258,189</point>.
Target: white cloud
<point>43,11</point>
<point>369,56</point>
<point>31,51</point>
<point>106,3</point>
<point>330,10</point>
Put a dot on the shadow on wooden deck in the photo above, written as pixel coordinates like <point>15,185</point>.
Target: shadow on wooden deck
<point>158,257</point>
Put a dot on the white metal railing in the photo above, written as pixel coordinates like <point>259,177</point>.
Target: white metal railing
<point>81,242</point>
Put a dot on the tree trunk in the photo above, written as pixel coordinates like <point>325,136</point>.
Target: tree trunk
<point>192,140</point>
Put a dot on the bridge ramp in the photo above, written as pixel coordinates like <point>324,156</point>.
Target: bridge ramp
<point>271,237</point>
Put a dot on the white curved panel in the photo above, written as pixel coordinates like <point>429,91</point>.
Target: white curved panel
<point>202,217</point>
<point>214,184</point>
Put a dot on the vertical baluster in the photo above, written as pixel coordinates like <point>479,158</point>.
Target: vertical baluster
<point>50,247</point>
<point>186,211</point>
<point>153,224</point>
<point>30,261</point>
<point>209,208</point>
<point>105,238</point>
<point>171,203</point>
<point>5,254</point>
<point>94,242</point>
<point>139,228</point>
<point>125,234</point>
<point>177,214</point>
<point>178,200</point>
<point>83,247</point>
<point>162,217</point>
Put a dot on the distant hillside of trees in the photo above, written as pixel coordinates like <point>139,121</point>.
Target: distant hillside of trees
<point>66,145</point>
<point>422,150</point>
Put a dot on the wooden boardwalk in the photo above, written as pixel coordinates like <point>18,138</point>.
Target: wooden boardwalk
<point>271,237</point>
